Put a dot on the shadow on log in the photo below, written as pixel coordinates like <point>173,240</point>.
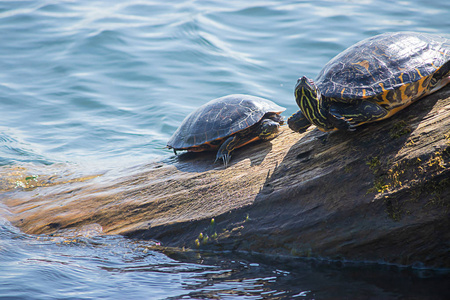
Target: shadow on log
<point>381,193</point>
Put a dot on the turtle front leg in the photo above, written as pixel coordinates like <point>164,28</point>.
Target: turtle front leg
<point>346,116</point>
<point>225,150</point>
<point>298,122</point>
<point>341,122</point>
<point>268,129</point>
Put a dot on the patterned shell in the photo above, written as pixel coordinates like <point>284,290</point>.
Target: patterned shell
<point>220,118</point>
<point>381,64</point>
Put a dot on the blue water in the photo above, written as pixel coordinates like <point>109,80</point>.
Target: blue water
<point>104,84</point>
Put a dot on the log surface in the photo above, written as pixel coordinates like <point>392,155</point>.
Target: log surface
<point>380,193</point>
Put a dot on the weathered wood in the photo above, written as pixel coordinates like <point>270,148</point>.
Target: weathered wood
<point>381,193</point>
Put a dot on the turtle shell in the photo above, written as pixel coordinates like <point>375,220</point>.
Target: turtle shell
<point>382,64</point>
<point>220,118</point>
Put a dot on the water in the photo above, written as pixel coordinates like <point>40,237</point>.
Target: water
<point>111,267</point>
<point>91,85</point>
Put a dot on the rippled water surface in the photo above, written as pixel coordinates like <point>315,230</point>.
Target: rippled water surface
<point>104,84</point>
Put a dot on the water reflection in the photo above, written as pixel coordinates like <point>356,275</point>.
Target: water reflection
<point>84,264</point>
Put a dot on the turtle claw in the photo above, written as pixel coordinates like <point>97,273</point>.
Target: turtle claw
<point>225,158</point>
<point>342,123</point>
<point>351,125</point>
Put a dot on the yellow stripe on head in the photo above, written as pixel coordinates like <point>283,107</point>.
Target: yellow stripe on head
<point>308,100</point>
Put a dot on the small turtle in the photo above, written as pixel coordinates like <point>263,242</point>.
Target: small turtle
<point>227,123</point>
<point>372,80</point>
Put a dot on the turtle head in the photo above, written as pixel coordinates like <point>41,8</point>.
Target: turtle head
<point>268,129</point>
<point>308,98</point>
<point>308,87</point>
<point>306,92</point>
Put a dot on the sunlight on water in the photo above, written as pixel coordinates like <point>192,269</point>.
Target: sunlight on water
<point>114,81</point>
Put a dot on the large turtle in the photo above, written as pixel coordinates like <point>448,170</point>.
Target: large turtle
<point>227,123</point>
<point>372,80</point>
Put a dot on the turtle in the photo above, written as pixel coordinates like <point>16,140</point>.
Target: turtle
<point>372,80</point>
<point>227,123</point>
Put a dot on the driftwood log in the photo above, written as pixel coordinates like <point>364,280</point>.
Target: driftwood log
<point>380,193</point>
